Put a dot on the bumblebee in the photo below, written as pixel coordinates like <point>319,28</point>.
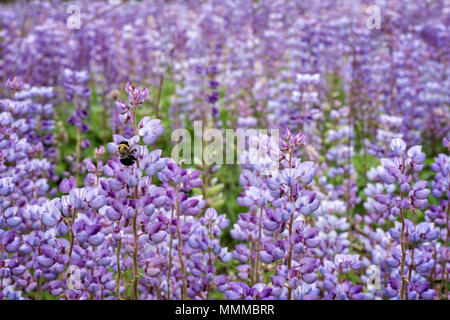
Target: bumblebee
<point>126,154</point>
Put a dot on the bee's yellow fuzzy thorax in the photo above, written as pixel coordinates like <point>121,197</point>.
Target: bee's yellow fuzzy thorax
<point>121,148</point>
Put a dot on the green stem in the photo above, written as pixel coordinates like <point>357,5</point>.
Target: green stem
<point>258,246</point>
<point>170,260</point>
<point>161,81</point>
<point>413,245</point>
<point>252,261</point>
<point>289,262</point>
<point>135,260</point>
<point>291,222</point>
<point>77,161</point>
<point>180,254</point>
<point>119,245</point>
<point>402,243</point>
<point>209,260</point>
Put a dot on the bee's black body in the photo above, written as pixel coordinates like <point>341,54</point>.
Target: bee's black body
<point>128,161</point>
<point>126,154</point>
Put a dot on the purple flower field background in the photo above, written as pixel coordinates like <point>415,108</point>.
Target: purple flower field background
<point>357,209</point>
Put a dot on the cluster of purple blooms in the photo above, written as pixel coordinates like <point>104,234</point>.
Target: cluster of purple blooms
<point>119,220</point>
<point>352,208</point>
